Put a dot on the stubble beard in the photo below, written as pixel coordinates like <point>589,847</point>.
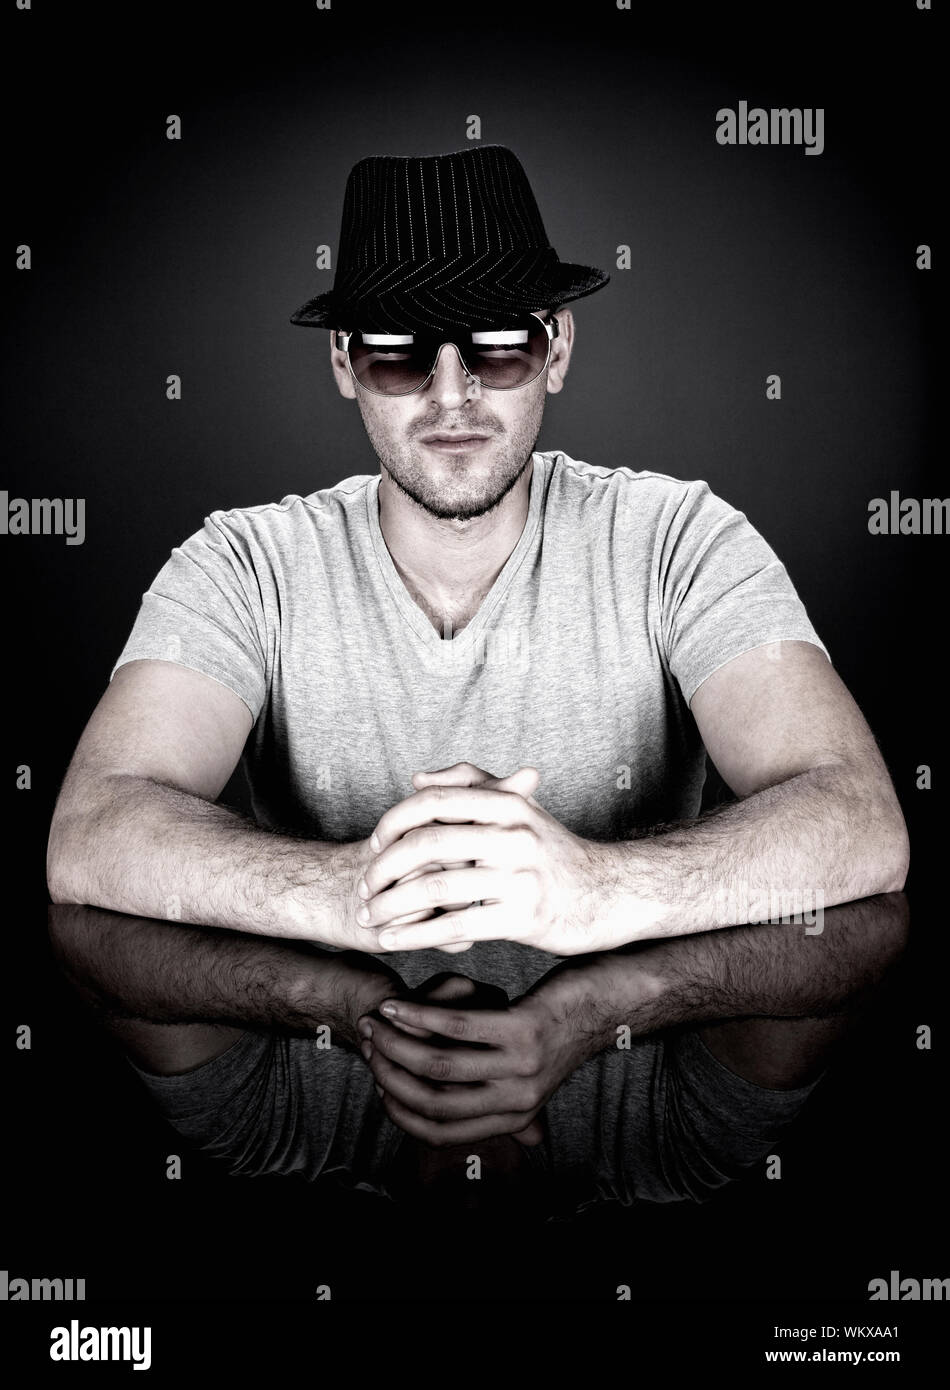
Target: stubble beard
<point>466,498</point>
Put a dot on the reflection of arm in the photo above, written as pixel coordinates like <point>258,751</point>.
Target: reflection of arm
<point>769,976</point>
<point>169,973</point>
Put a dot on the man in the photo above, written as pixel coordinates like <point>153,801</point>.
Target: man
<point>477,608</point>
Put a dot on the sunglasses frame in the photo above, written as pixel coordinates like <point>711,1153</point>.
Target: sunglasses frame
<point>342,343</point>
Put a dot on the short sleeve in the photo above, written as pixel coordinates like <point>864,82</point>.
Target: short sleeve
<point>204,610</point>
<point>723,590</point>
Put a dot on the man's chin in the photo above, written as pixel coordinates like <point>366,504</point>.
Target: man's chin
<point>455,499</point>
<point>454,503</point>
<point>460,510</point>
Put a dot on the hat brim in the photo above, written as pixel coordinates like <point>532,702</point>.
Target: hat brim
<point>423,295</point>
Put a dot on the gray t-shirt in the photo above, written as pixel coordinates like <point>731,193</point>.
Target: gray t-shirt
<point>624,592</point>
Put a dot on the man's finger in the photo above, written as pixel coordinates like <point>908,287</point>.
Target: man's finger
<point>448,889</point>
<point>439,1065</point>
<point>441,1135</point>
<point>491,1026</point>
<point>531,1136</point>
<point>524,781</point>
<point>449,804</point>
<point>458,775</point>
<point>442,1103</point>
<point>492,922</point>
<point>429,846</point>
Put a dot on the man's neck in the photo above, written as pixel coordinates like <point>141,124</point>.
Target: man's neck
<point>448,566</point>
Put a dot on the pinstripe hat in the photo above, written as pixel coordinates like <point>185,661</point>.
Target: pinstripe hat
<point>438,241</point>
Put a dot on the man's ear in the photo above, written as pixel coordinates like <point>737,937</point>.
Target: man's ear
<point>340,369</point>
<point>560,349</point>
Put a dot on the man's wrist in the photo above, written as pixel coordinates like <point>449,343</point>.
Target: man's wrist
<point>317,901</point>
<point>336,990</point>
<point>644,894</point>
<point>597,996</point>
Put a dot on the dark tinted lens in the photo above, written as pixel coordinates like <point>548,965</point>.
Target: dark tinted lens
<point>508,356</point>
<point>502,356</point>
<point>383,363</point>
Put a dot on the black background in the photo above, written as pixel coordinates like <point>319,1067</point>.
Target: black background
<point>153,256</point>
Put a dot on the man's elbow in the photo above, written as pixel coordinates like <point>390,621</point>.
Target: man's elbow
<point>58,882</point>
<point>63,862</point>
<point>878,832</point>
<point>893,861</point>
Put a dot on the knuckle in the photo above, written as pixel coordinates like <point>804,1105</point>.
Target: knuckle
<point>436,888</point>
<point>523,1095</point>
<point>527,1065</point>
<point>526,888</point>
<point>439,1068</point>
<point>526,843</point>
<point>432,836</point>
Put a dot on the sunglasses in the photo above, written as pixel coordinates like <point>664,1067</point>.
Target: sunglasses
<point>501,358</point>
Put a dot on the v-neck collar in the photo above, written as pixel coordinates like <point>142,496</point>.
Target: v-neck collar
<point>407,605</point>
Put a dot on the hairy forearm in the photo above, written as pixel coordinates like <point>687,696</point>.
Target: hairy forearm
<point>771,971</point>
<point>822,837</point>
<point>168,973</point>
<point>138,846</point>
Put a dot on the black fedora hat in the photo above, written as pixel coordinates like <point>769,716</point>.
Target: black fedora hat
<point>438,241</point>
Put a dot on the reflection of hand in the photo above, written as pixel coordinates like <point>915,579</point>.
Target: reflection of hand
<point>523,876</point>
<point>340,987</point>
<point>455,1067</point>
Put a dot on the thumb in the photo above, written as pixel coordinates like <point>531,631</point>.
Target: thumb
<point>458,775</point>
<point>533,1135</point>
<point>524,782</point>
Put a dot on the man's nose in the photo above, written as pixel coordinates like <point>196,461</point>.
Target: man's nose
<point>450,383</point>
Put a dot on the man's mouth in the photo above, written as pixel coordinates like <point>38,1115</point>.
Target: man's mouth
<point>454,442</point>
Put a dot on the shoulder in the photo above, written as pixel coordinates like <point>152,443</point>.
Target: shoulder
<point>329,509</point>
<point>645,498</point>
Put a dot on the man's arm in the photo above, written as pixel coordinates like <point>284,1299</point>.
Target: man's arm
<point>769,1001</point>
<point>175,996</point>
<point>817,823</point>
<point>817,812</point>
<point>136,827</point>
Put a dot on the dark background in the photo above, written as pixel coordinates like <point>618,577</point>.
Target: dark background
<point>153,257</point>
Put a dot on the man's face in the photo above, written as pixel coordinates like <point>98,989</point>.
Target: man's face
<point>458,480</point>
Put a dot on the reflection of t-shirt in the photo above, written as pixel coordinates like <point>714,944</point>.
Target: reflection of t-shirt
<point>663,1121</point>
<point>624,592</point>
